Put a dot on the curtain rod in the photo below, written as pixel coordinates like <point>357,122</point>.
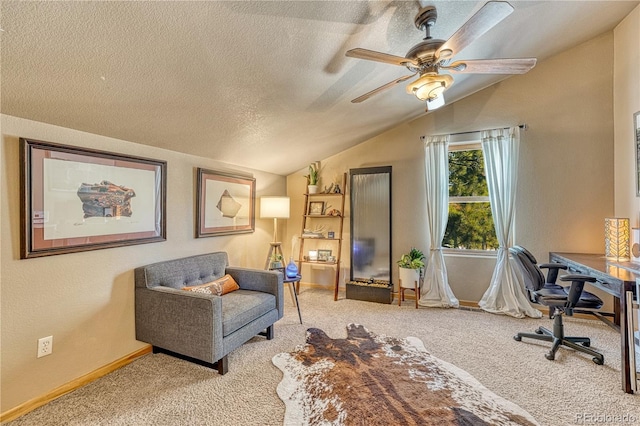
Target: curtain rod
<point>522,126</point>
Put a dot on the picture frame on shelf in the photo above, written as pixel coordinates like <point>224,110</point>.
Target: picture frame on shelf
<point>78,199</point>
<point>323,255</point>
<point>225,203</point>
<point>316,208</point>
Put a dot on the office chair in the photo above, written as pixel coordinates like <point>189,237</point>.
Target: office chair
<point>559,300</point>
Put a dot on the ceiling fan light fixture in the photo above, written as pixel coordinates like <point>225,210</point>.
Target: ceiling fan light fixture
<point>435,103</point>
<point>429,86</point>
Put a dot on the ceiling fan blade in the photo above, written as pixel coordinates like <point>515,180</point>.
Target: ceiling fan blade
<point>492,66</point>
<point>381,88</point>
<point>372,55</point>
<point>486,18</point>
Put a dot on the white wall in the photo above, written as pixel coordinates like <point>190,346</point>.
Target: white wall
<point>86,300</point>
<point>626,97</point>
<point>566,160</point>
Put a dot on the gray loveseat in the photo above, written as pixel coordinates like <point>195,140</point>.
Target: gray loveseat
<point>204,328</point>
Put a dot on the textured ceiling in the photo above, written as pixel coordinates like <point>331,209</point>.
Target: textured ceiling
<point>261,84</point>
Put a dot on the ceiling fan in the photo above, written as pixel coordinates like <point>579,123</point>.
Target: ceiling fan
<point>428,57</point>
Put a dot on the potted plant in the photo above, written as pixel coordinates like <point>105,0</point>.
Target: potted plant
<point>276,261</point>
<point>410,265</point>
<point>312,179</point>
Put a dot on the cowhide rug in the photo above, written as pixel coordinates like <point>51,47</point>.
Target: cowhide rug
<point>378,380</point>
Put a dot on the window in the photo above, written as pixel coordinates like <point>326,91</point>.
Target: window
<point>470,224</point>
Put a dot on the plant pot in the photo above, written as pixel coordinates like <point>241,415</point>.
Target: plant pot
<point>312,189</point>
<point>409,277</point>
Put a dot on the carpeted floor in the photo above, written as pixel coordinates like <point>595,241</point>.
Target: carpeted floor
<point>161,390</point>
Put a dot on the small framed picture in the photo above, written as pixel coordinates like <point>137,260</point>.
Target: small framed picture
<point>313,255</point>
<point>323,255</point>
<point>316,208</point>
<point>331,234</point>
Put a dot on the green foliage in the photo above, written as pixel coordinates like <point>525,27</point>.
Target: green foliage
<point>470,224</point>
<point>466,174</point>
<point>412,260</point>
<point>312,177</point>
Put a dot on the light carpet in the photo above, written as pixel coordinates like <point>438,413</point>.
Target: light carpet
<point>162,390</point>
<point>367,379</point>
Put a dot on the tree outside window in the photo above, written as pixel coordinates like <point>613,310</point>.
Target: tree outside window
<point>470,224</point>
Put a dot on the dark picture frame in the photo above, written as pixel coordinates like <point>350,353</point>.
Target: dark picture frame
<point>78,199</point>
<point>225,203</point>
<point>316,208</point>
<point>323,255</point>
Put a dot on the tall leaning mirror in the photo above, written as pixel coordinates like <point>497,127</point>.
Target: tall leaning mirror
<point>371,223</point>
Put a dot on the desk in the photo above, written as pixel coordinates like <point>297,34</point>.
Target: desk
<point>614,279</point>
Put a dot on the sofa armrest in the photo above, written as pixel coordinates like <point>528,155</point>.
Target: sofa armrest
<point>260,280</point>
<point>185,322</point>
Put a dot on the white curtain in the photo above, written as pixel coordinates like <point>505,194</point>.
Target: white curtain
<point>506,293</point>
<point>435,291</point>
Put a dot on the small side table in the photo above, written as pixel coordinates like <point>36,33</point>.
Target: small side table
<point>295,282</point>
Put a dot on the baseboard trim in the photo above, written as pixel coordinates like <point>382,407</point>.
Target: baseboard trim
<point>465,304</point>
<point>39,401</point>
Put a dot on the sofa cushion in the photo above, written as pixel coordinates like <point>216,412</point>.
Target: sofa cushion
<point>218,287</point>
<point>187,271</point>
<point>244,306</point>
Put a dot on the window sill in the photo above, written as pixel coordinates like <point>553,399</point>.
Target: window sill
<point>484,254</point>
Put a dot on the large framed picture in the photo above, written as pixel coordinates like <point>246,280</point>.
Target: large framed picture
<point>77,199</point>
<point>225,204</point>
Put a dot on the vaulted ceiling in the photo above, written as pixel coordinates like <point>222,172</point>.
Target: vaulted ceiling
<point>261,84</point>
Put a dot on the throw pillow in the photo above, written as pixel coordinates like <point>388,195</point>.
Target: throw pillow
<point>218,287</point>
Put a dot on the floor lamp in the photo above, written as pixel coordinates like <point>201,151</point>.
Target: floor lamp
<point>276,208</point>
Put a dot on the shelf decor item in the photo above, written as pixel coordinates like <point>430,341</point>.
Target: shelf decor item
<point>312,178</point>
<point>77,199</point>
<point>323,255</point>
<point>316,208</point>
<point>225,204</point>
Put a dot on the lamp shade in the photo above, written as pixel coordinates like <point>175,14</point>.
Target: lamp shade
<point>616,238</point>
<point>274,207</point>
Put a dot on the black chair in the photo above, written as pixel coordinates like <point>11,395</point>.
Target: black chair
<point>560,301</point>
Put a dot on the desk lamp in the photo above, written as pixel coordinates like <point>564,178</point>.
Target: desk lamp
<point>616,239</point>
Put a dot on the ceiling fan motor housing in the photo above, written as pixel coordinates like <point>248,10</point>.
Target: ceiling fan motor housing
<point>424,52</point>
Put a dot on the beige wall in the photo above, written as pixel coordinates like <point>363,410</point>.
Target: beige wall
<point>566,160</point>
<point>626,95</point>
<point>85,300</point>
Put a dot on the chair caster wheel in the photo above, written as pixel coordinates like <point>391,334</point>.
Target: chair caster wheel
<point>550,356</point>
<point>538,331</point>
<point>517,338</point>
<point>598,361</point>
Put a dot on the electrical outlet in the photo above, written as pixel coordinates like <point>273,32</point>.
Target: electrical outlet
<point>45,346</point>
